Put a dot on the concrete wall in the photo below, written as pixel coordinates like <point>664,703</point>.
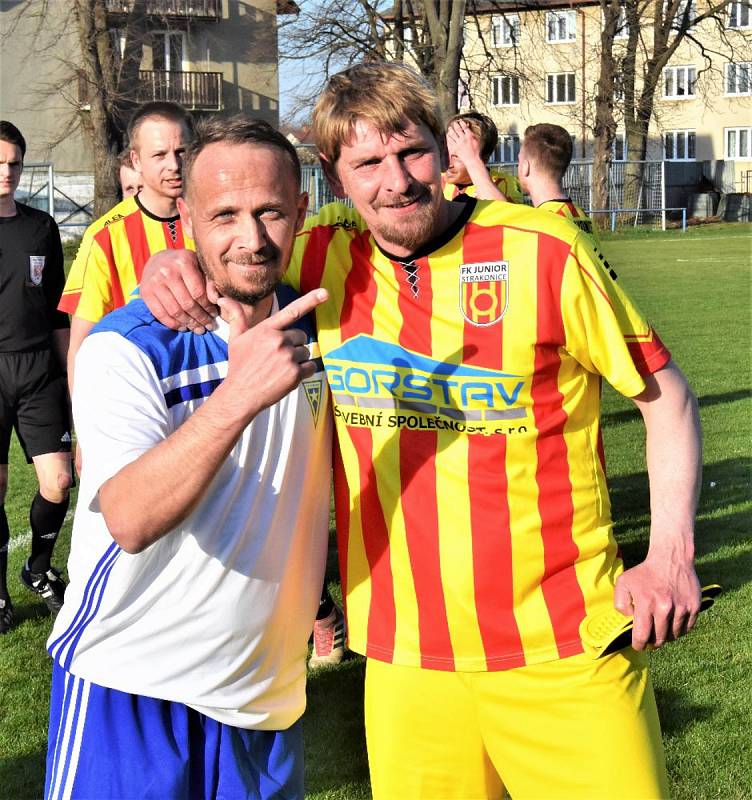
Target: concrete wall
<point>38,56</point>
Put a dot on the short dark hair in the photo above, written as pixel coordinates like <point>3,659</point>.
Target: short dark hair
<point>158,109</point>
<point>237,129</point>
<point>10,133</point>
<point>124,158</point>
<point>483,127</point>
<point>549,145</point>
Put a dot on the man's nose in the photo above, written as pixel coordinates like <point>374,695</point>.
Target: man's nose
<point>398,178</point>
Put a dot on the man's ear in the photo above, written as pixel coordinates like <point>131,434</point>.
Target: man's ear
<point>330,170</point>
<point>135,161</point>
<point>185,217</point>
<point>302,208</point>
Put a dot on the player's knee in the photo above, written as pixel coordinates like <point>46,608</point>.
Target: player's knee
<point>57,488</point>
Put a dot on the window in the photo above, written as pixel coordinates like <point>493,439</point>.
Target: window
<point>561,26</point>
<point>622,26</point>
<point>686,9</point>
<point>619,147</point>
<point>679,81</point>
<point>739,78</point>
<point>168,50</point>
<point>618,86</point>
<point>505,31</point>
<point>738,143</point>
<point>507,149</point>
<point>560,87</point>
<point>679,145</point>
<point>505,90</point>
<point>740,14</point>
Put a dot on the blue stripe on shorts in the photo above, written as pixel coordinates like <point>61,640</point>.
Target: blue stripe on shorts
<point>104,743</point>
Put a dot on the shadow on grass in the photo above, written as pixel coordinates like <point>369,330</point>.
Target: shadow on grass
<point>25,774</point>
<point>677,713</point>
<point>725,484</point>
<point>335,744</point>
<point>26,611</point>
<point>631,413</point>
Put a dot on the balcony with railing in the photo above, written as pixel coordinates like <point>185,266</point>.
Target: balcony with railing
<point>193,90</point>
<point>178,9</point>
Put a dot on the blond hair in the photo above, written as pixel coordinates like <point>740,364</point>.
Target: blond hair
<point>383,94</point>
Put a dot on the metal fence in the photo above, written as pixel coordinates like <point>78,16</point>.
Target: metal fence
<point>37,187</point>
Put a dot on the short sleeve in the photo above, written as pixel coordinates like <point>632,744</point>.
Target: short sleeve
<point>95,292</point>
<point>604,330</point>
<point>119,408</point>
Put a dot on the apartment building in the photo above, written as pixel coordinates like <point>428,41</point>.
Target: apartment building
<point>538,61</point>
<point>209,55</point>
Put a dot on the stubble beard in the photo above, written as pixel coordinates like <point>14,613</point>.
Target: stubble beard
<point>415,231</point>
<point>267,283</point>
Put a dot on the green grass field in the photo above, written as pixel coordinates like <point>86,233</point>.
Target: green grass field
<point>695,287</point>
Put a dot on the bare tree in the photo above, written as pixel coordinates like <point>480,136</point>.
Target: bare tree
<point>656,29</point>
<point>424,33</point>
<point>109,79</point>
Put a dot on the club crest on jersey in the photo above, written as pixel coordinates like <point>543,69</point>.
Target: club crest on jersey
<point>36,268</point>
<point>484,292</point>
<point>313,390</point>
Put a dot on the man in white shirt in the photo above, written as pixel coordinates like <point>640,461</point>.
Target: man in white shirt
<point>200,537</point>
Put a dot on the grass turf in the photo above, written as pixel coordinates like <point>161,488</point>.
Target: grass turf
<point>695,287</point>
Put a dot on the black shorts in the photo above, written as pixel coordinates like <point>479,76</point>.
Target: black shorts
<point>34,401</point>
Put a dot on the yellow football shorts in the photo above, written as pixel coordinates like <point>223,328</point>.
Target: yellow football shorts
<point>574,728</point>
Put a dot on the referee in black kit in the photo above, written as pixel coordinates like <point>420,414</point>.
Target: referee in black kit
<point>33,386</point>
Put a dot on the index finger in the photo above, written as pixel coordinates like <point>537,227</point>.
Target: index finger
<point>298,308</point>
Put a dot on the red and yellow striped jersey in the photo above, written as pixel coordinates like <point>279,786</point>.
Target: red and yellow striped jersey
<point>505,182</point>
<point>472,511</point>
<point>112,255</point>
<point>566,208</point>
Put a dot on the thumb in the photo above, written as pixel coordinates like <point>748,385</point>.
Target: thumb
<point>623,598</point>
<point>231,312</point>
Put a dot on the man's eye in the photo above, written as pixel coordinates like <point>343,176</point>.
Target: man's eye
<point>271,213</point>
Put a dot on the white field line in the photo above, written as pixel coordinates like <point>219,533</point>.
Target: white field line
<point>689,237</point>
<point>24,539</point>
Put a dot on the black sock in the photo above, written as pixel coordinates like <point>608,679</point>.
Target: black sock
<point>4,539</point>
<point>46,520</point>
<point>326,604</point>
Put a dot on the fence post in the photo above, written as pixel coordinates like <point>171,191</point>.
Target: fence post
<point>613,222</point>
<point>663,194</point>
<point>684,220</point>
<point>51,190</point>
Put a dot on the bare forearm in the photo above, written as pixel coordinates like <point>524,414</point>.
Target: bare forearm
<point>79,330</point>
<point>485,188</point>
<point>155,493</point>
<point>60,342</point>
<point>674,461</point>
<point>663,592</point>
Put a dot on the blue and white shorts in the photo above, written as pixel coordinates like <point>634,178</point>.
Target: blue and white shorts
<point>108,744</point>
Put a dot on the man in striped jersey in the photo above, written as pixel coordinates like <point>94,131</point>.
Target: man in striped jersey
<point>544,157</point>
<point>465,344</point>
<point>471,139</point>
<point>200,537</point>
<point>114,248</point>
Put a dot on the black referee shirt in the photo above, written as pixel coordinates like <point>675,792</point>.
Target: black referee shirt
<point>31,280</point>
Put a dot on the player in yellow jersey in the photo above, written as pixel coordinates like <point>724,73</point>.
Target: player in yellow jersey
<point>114,248</point>
<point>544,157</point>
<point>464,345</point>
<point>471,139</point>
